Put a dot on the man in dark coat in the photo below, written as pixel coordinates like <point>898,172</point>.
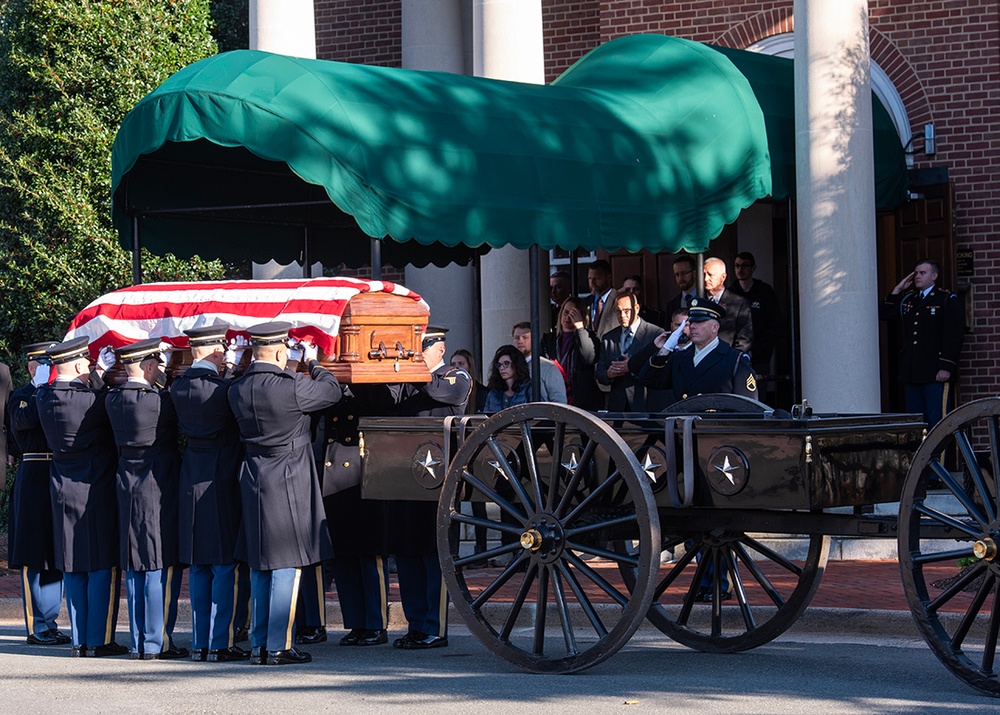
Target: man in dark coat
<point>617,347</point>
<point>145,427</point>
<point>413,524</point>
<point>933,331</point>
<point>209,509</point>
<point>30,526</point>
<point>283,520</point>
<point>84,507</point>
<point>737,321</point>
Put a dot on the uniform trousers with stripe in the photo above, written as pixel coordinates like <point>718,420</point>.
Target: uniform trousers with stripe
<point>422,593</point>
<point>146,594</point>
<point>41,595</point>
<point>92,603</point>
<point>363,591</point>
<point>214,592</point>
<point>274,597</point>
<point>311,611</point>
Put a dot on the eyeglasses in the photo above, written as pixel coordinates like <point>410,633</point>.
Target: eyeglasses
<point>505,363</point>
<point>683,273</point>
<point>743,265</point>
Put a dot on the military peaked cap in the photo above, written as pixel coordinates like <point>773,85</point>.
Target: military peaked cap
<point>702,309</point>
<point>269,333</point>
<point>432,335</point>
<point>137,352</point>
<point>69,351</point>
<point>209,335</point>
<point>37,351</point>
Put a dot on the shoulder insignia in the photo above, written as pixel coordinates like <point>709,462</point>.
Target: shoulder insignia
<point>751,383</point>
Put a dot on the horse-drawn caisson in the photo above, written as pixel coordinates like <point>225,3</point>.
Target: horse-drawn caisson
<point>265,156</point>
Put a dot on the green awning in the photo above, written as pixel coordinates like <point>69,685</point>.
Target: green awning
<point>647,142</point>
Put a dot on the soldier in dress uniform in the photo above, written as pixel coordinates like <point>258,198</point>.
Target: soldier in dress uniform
<point>413,525</point>
<point>145,427</point>
<point>283,520</point>
<point>31,546</point>
<point>933,331</point>
<point>210,493</point>
<point>84,508</point>
<point>708,366</point>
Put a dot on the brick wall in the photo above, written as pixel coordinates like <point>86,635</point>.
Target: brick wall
<point>942,55</point>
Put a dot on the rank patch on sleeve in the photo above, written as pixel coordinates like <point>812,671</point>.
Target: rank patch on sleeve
<point>751,383</point>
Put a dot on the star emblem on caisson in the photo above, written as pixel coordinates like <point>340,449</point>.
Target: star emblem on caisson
<point>423,465</point>
<point>650,467</point>
<point>728,471</point>
<point>429,463</point>
<point>572,464</point>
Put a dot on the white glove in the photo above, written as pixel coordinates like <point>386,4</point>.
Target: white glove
<point>41,374</point>
<point>106,358</point>
<point>294,350</point>
<point>311,352</point>
<point>166,349</point>
<point>235,350</point>
<point>675,338</point>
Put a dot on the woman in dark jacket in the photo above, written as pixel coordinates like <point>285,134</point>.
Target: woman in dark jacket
<point>575,347</point>
<point>463,360</point>
<point>509,382</point>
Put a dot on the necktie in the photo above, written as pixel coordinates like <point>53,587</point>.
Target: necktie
<point>626,340</point>
<point>598,308</point>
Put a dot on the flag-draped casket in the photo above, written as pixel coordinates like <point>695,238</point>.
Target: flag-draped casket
<point>367,331</point>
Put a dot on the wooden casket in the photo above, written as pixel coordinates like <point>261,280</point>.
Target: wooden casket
<point>366,331</point>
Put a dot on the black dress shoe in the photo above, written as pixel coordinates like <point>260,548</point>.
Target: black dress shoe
<point>40,639</point>
<point>705,595</point>
<point>143,656</point>
<point>258,655</point>
<point>59,637</point>
<point>79,651</point>
<point>242,634</point>
<point>227,655</point>
<point>310,634</point>
<point>288,657</point>
<point>353,637</point>
<point>415,640</point>
<point>199,655</point>
<point>173,653</point>
<point>375,637</point>
<point>108,649</point>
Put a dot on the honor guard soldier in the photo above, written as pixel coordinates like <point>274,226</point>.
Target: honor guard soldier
<point>283,520</point>
<point>933,331</point>
<point>209,493</point>
<point>30,528</point>
<point>84,507</point>
<point>413,524</point>
<point>709,365</point>
<point>145,427</point>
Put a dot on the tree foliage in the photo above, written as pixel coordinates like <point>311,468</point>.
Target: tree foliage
<point>69,72</point>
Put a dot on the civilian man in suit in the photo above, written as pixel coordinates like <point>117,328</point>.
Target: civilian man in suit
<point>737,323</point>
<point>631,335</point>
<point>144,423</point>
<point>30,527</point>
<point>684,276</point>
<point>284,523</point>
<point>209,513</point>
<point>82,482</point>
<point>602,298</point>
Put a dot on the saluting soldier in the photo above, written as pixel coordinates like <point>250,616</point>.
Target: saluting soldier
<point>284,524</point>
<point>708,365</point>
<point>31,546</point>
<point>413,525</point>
<point>933,331</point>
<point>145,428</point>
<point>210,493</point>
<point>84,508</point>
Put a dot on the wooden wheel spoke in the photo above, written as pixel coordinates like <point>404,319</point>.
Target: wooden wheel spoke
<point>937,556</point>
<point>486,523</point>
<point>532,464</point>
<point>594,495</point>
<point>585,604</point>
<point>541,606</point>
<point>969,617</point>
<point>518,603</point>
<point>596,578</point>
<point>739,591</point>
<point>607,523</point>
<point>496,584</point>
<point>496,498</point>
<point>958,492</point>
<point>557,451</point>
<point>969,455</point>
<point>676,569</point>
<point>559,593</point>
<point>624,559</point>
<point>699,573</point>
<point>718,573</point>
<point>992,629</point>
<point>957,587</point>
<point>772,555</point>
<point>759,576</point>
<point>574,482</point>
<point>947,520</point>
<point>508,472</point>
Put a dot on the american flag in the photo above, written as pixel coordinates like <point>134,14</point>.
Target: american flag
<point>313,306</point>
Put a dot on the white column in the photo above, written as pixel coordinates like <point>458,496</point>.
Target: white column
<point>836,206</point>
<point>507,44</point>
<point>286,27</point>
<point>432,40</point>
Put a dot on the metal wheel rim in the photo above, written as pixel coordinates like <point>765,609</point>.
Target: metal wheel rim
<point>554,646</point>
<point>951,639</point>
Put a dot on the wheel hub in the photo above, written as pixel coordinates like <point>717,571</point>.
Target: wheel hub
<point>985,549</point>
<point>543,538</point>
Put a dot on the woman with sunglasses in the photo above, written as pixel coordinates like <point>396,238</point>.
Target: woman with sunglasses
<point>509,382</point>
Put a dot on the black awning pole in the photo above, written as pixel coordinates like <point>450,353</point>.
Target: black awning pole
<point>376,259</point>
<point>136,253</point>
<point>699,279</point>
<point>306,261</point>
<point>534,259</point>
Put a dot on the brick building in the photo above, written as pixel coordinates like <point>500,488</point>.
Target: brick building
<point>939,59</point>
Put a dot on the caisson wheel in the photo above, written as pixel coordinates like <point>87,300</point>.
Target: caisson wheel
<point>559,486</point>
<point>948,517</point>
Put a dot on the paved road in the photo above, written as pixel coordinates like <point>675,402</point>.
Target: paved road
<point>796,674</point>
